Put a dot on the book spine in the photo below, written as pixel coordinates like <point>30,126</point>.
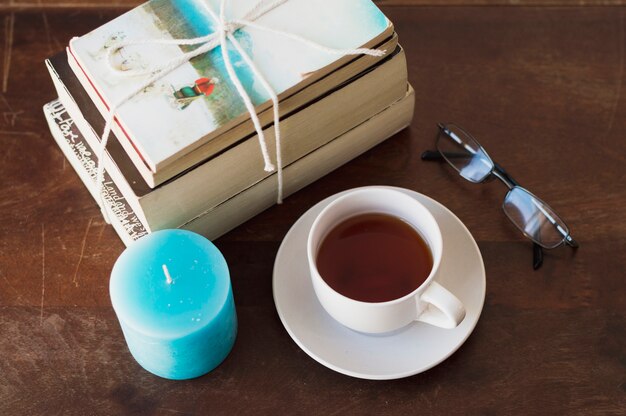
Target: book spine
<point>92,140</point>
<point>85,162</point>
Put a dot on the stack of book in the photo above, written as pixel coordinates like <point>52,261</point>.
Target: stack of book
<point>184,151</point>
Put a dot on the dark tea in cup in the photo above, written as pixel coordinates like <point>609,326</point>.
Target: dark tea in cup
<point>374,257</point>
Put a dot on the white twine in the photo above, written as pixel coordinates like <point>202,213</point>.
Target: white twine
<point>224,31</point>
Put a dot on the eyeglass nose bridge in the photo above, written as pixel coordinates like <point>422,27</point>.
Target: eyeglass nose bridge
<point>504,177</point>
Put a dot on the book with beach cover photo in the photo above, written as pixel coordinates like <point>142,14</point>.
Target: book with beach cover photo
<point>197,102</point>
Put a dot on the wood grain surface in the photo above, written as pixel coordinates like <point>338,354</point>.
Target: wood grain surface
<point>541,88</point>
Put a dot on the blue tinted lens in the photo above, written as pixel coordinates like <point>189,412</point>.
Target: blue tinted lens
<point>534,218</point>
<point>464,153</point>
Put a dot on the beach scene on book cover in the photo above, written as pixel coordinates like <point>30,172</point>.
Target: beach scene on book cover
<point>198,97</point>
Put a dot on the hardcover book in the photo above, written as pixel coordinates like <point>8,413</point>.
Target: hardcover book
<point>197,102</point>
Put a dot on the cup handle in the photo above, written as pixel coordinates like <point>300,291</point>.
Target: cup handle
<point>443,310</point>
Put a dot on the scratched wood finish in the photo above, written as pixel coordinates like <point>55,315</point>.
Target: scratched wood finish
<point>543,91</point>
<point>20,5</point>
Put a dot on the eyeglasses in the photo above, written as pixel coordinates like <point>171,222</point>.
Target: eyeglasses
<point>532,216</point>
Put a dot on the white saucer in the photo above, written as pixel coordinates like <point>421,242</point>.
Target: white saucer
<point>406,352</point>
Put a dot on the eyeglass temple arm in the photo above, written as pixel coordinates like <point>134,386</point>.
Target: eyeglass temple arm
<point>431,155</point>
<point>537,256</point>
<point>435,155</point>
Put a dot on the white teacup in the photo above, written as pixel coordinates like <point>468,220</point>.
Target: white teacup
<point>430,302</point>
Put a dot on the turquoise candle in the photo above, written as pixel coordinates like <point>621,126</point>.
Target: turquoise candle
<point>171,292</point>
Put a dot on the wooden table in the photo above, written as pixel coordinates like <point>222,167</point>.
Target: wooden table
<point>542,88</point>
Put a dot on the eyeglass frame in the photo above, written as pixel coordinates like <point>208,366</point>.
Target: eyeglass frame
<point>499,172</point>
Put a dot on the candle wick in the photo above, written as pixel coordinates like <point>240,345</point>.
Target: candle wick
<point>168,278</point>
